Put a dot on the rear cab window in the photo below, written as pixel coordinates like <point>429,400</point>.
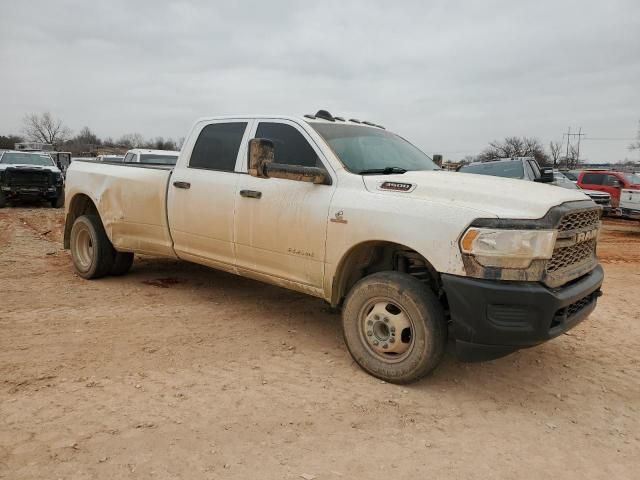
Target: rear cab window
<point>592,178</point>
<point>217,146</point>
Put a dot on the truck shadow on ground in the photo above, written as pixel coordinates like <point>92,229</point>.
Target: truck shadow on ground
<point>540,369</point>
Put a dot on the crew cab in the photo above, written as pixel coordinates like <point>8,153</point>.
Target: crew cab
<point>155,157</point>
<point>349,212</point>
<point>30,175</point>
<point>610,182</point>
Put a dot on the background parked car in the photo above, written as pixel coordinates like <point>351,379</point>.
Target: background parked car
<point>611,182</point>
<point>154,157</point>
<point>523,168</point>
<point>601,198</point>
<point>110,158</point>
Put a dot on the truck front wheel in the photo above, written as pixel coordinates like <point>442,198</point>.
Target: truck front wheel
<point>91,250</point>
<point>394,327</point>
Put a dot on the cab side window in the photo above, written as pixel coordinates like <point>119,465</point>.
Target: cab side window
<point>592,178</point>
<point>291,148</point>
<point>611,180</point>
<point>217,146</point>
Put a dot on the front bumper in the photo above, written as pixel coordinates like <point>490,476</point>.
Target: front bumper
<point>14,191</point>
<point>494,318</point>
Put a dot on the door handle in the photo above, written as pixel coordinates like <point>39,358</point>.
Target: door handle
<point>186,185</point>
<point>250,194</point>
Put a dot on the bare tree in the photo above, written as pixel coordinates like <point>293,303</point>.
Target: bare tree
<point>555,148</point>
<point>571,161</point>
<point>45,128</point>
<point>87,137</point>
<point>131,140</point>
<point>512,147</point>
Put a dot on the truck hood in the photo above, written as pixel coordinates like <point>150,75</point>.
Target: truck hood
<point>492,196</point>
<point>50,168</point>
<point>595,193</point>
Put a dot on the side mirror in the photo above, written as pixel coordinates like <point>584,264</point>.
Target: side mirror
<point>617,184</point>
<point>299,173</point>
<point>261,153</point>
<point>546,175</point>
<point>261,165</point>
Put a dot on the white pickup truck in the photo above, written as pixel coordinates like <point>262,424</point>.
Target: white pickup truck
<point>349,212</point>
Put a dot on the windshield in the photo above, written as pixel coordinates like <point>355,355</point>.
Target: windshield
<point>20,158</point>
<point>509,169</point>
<point>571,176</point>
<point>632,178</point>
<point>158,159</point>
<point>561,180</point>
<point>362,148</point>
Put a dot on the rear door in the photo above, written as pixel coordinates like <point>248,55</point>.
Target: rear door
<point>592,181</point>
<point>281,224</point>
<point>613,186</point>
<point>203,191</point>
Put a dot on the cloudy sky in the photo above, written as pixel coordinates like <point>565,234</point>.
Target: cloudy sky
<point>449,75</point>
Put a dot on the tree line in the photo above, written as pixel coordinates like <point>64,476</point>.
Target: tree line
<point>46,128</point>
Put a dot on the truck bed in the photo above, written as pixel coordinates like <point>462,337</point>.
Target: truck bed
<point>131,200</point>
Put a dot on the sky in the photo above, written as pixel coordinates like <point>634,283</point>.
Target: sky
<point>450,76</point>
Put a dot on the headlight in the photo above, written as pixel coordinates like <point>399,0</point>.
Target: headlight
<point>508,248</point>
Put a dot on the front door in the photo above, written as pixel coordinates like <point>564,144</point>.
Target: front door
<point>281,225</point>
<point>202,195</point>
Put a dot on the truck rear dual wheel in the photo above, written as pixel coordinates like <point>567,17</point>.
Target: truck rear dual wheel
<point>394,327</point>
<point>3,200</point>
<point>93,253</point>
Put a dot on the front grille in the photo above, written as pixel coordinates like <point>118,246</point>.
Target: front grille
<point>573,258</point>
<point>580,220</point>
<point>569,256</point>
<point>29,179</point>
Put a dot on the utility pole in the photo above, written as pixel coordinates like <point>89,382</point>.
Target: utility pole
<point>569,135</point>
<point>578,153</point>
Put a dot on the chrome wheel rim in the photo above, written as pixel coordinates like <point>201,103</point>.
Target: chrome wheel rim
<point>83,247</point>
<point>386,330</point>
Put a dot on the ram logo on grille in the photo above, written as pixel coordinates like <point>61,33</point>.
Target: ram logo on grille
<point>586,236</point>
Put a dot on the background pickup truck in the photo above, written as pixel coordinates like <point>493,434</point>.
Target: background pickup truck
<point>527,168</point>
<point>30,176</point>
<point>354,214</point>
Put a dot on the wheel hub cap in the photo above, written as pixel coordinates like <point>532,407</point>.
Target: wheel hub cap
<point>387,330</point>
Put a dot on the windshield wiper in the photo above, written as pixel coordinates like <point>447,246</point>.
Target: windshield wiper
<point>382,171</point>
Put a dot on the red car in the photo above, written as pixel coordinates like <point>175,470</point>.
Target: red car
<point>610,182</point>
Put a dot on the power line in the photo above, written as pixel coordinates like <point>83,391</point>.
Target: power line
<point>613,139</point>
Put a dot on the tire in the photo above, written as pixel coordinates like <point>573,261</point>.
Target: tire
<point>58,202</point>
<point>122,262</point>
<point>396,310</point>
<point>91,251</point>
<point>3,200</point>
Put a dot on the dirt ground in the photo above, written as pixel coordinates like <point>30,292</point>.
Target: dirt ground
<point>178,371</point>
